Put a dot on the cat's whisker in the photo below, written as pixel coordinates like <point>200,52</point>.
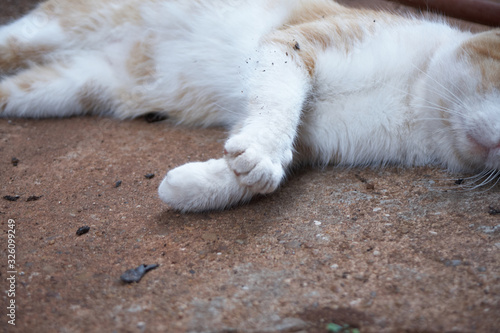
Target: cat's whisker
<point>457,100</point>
<point>494,175</point>
<point>428,104</point>
<point>438,108</point>
<point>226,109</point>
<point>485,177</point>
<point>474,182</point>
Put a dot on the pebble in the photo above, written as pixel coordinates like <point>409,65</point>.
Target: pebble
<point>136,274</point>
<point>82,230</point>
<point>489,230</point>
<point>292,244</point>
<point>453,263</point>
<point>494,210</point>
<point>209,237</point>
<point>376,253</point>
<point>33,198</point>
<point>11,197</point>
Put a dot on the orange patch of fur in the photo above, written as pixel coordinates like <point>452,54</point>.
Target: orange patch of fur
<point>28,79</point>
<point>127,14</point>
<point>483,51</point>
<point>324,24</point>
<point>17,55</point>
<point>141,64</point>
<point>4,97</point>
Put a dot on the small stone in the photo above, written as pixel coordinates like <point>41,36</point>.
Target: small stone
<point>82,230</point>
<point>118,184</point>
<point>376,253</point>
<point>150,176</point>
<point>360,277</point>
<point>34,198</point>
<point>494,210</point>
<point>209,237</point>
<point>136,274</point>
<point>11,197</point>
<point>489,230</point>
<point>15,161</point>
<point>453,263</point>
<point>292,244</point>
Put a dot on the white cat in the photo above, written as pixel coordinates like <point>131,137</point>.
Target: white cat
<point>296,81</point>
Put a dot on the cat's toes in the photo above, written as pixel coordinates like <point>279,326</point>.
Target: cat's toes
<point>201,186</point>
<point>254,167</point>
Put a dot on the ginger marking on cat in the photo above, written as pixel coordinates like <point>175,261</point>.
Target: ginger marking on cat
<point>4,97</point>
<point>16,55</point>
<point>141,64</point>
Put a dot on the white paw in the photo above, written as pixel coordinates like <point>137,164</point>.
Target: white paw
<point>201,186</point>
<point>256,166</point>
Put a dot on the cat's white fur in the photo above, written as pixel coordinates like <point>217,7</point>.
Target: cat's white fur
<point>382,88</point>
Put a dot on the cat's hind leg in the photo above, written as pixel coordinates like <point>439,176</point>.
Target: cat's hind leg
<point>81,84</point>
<point>30,39</point>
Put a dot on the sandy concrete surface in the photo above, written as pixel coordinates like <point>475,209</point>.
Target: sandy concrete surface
<point>381,250</point>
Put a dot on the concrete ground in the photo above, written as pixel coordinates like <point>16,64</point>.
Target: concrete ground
<point>381,250</point>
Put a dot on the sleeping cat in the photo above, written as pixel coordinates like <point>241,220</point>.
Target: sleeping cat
<point>296,82</point>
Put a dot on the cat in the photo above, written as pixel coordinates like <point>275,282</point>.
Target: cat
<point>295,81</point>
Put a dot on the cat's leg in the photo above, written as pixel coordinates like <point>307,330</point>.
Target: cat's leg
<point>257,153</point>
<point>30,39</point>
<point>81,84</point>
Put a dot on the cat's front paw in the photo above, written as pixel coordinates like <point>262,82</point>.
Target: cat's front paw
<point>254,165</point>
<point>201,186</point>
